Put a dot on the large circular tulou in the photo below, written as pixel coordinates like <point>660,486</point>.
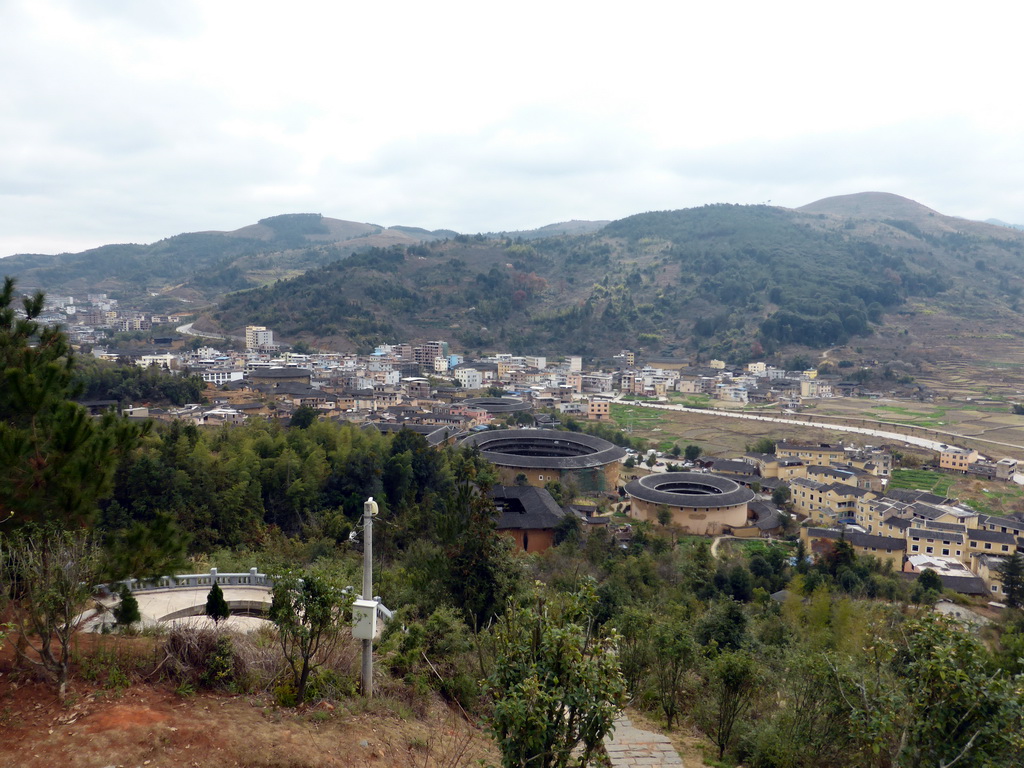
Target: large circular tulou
<point>543,455</point>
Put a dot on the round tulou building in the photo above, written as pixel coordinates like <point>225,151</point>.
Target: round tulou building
<point>543,455</point>
<point>701,504</point>
<point>498,406</point>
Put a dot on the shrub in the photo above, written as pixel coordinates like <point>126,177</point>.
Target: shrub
<point>220,665</point>
<point>205,658</point>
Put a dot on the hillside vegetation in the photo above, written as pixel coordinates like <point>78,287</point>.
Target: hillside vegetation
<point>205,265</point>
<point>851,670</point>
<point>726,280</point>
<point>721,280</point>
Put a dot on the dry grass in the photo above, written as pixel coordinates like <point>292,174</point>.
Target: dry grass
<point>101,724</point>
<point>723,436</point>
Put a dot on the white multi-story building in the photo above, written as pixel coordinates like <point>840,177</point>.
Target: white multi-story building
<point>258,337</point>
<point>220,376</point>
<point>469,378</point>
<point>164,361</point>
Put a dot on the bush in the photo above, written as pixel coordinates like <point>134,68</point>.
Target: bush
<point>205,658</point>
<point>114,665</point>
<point>330,684</point>
<point>220,665</point>
<point>432,654</point>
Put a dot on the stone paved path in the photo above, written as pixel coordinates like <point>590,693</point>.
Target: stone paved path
<point>631,747</point>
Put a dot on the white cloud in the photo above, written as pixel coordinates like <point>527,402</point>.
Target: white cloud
<point>136,121</point>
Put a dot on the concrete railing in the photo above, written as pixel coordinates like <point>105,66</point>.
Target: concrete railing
<point>203,580</point>
<point>197,581</point>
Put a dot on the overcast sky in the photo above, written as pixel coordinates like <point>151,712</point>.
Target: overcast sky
<point>135,120</point>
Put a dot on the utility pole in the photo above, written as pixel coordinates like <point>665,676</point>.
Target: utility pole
<point>369,510</point>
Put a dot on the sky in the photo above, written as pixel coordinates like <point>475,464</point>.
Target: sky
<point>128,121</point>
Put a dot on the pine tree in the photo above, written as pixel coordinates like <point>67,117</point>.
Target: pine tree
<point>127,611</point>
<point>216,605</point>
<point>58,461</point>
<point>1012,571</point>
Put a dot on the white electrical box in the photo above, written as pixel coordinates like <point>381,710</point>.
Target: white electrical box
<point>364,619</point>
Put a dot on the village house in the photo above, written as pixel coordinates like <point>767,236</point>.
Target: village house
<point>955,459</point>
<point>826,502</point>
<point>770,465</point>
<point>812,453</point>
<point>988,569</point>
<point>527,514</point>
<point>598,410</point>
<point>887,549</point>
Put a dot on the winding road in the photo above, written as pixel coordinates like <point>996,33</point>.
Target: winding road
<point>187,331</point>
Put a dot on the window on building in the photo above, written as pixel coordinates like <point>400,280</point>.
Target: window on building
<point>945,551</point>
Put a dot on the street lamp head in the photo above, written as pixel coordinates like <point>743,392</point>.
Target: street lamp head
<point>370,507</point>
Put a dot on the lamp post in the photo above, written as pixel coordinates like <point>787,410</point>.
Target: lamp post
<point>369,510</point>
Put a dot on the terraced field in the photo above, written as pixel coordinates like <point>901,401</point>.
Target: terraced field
<point>716,435</point>
<point>999,432</point>
<point>922,480</point>
<point>990,497</point>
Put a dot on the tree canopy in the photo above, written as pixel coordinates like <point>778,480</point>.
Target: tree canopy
<point>59,462</point>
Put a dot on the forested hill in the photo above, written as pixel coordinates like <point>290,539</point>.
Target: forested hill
<point>202,266</point>
<point>723,279</point>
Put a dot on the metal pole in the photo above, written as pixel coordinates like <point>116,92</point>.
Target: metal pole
<point>369,509</point>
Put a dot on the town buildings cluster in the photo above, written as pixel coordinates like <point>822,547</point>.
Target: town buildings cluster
<point>423,383</point>
<point>842,491</point>
<point>88,319</point>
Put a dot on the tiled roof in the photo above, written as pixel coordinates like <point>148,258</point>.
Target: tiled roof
<point>524,507</point>
<point>859,539</point>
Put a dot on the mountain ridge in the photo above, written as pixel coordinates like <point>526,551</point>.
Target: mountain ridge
<point>713,280</point>
<point>722,280</point>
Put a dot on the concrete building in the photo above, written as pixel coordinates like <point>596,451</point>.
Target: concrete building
<point>956,459</point>
<point>259,337</point>
<point>469,378</point>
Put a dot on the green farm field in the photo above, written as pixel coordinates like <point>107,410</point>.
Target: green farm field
<point>938,483</point>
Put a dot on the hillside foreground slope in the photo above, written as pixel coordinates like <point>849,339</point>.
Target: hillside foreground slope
<point>132,722</point>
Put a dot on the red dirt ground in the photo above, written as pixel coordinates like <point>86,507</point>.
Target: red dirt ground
<point>150,725</point>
